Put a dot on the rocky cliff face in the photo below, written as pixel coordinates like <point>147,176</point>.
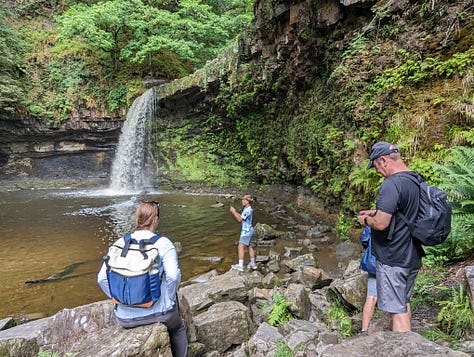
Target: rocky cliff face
<point>79,147</point>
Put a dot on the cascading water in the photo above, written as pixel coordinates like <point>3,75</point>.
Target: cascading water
<point>128,171</point>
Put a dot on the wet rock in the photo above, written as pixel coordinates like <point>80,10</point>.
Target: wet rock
<point>292,252</point>
<point>299,262</point>
<point>264,341</point>
<point>264,232</point>
<point>201,278</point>
<point>6,323</point>
<point>352,289</point>
<point>318,231</point>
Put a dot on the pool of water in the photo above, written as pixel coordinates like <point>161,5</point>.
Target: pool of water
<point>43,231</point>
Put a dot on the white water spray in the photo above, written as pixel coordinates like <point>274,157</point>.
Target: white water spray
<point>129,171</point>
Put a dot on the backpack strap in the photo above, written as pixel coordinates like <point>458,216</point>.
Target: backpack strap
<point>415,179</point>
<point>142,243</point>
<point>128,240</point>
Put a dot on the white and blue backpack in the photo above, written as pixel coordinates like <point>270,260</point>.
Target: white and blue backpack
<point>134,271</point>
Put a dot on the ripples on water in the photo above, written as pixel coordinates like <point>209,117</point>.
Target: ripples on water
<point>44,231</point>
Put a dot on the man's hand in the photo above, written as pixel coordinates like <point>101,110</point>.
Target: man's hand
<point>363,215</point>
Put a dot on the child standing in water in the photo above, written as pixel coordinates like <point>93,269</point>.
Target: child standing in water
<point>246,233</point>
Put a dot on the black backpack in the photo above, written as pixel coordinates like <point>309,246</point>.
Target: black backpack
<point>432,223</point>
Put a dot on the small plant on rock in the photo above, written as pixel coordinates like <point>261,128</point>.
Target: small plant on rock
<point>283,350</point>
<point>280,313</point>
<point>338,317</point>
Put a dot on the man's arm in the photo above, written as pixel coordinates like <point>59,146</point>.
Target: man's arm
<point>378,220</point>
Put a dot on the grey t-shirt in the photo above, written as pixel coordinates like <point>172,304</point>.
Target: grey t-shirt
<point>397,193</point>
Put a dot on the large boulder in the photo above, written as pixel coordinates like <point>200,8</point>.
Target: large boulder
<point>352,287</point>
<point>89,330</point>
<point>469,271</point>
<point>223,325</point>
<point>387,343</point>
<point>232,285</point>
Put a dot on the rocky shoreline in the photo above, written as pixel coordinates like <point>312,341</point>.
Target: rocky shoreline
<point>228,315</point>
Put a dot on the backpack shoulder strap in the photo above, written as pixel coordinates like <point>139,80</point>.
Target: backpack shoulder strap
<point>414,177</point>
<point>153,239</point>
<point>417,179</point>
<point>128,240</point>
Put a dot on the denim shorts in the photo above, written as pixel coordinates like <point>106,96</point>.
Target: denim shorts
<point>246,240</point>
<point>394,287</point>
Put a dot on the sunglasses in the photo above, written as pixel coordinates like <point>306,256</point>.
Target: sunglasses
<point>152,203</point>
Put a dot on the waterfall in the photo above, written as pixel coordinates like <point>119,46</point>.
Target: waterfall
<point>129,172</point>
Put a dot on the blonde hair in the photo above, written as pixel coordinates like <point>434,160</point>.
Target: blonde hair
<point>146,213</point>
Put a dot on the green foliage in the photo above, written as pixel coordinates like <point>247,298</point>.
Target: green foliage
<point>430,276</point>
<point>90,54</point>
<point>57,88</point>
<point>457,64</point>
<point>280,312</point>
<point>49,354</point>
<point>416,70</point>
<point>456,317</point>
<point>425,168</point>
<point>117,97</point>
<point>343,226</point>
<point>209,157</point>
<point>356,47</point>
<point>435,334</point>
<point>457,179</point>
<point>339,318</point>
<point>11,49</point>
<point>283,350</point>
<point>133,32</point>
<point>366,183</point>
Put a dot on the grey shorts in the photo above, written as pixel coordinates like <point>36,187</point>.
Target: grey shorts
<point>371,285</point>
<point>394,287</point>
<point>246,240</point>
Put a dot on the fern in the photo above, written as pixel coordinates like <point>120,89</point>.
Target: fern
<point>339,318</point>
<point>457,179</point>
<point>456,317</point>
<point>280,313</point>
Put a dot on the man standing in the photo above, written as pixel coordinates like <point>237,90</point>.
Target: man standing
<point>398,256</point>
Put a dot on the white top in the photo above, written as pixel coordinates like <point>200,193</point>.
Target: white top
<point>169,284</point>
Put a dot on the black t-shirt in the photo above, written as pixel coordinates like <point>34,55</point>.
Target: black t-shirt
<point>397,193</point>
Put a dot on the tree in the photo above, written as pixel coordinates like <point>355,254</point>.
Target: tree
<point>132,32</point>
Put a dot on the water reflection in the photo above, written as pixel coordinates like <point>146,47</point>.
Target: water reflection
<point>44,231</point>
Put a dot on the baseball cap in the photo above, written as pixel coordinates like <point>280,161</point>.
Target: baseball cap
<point>380,149</point>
